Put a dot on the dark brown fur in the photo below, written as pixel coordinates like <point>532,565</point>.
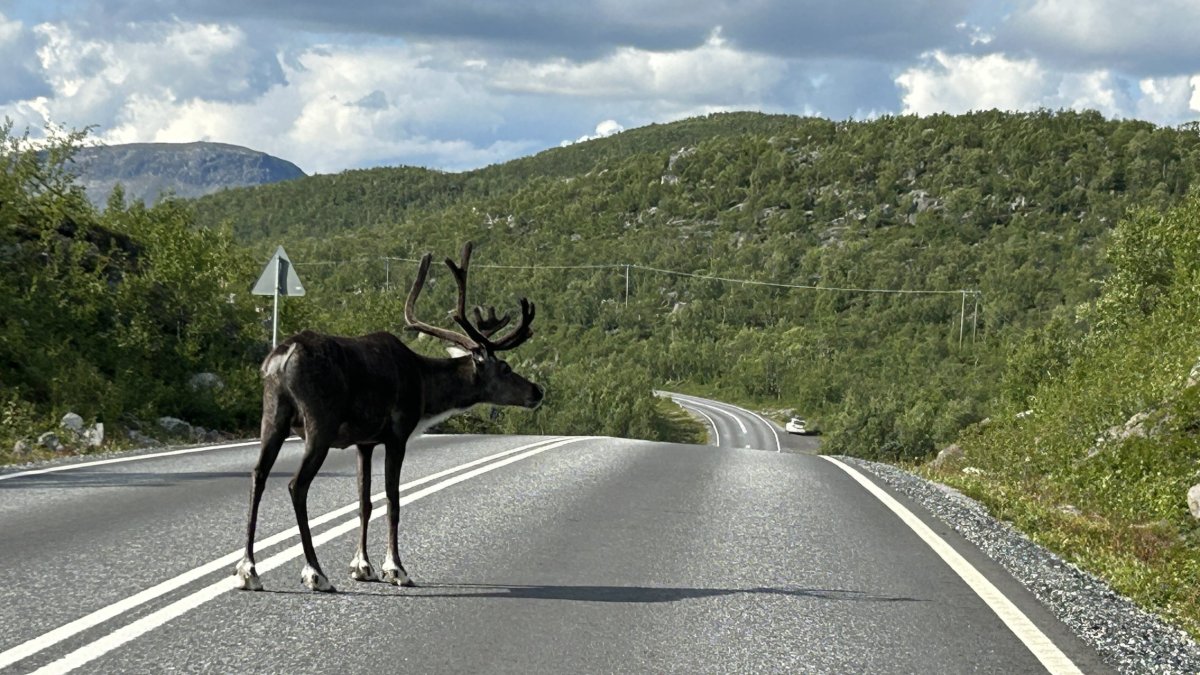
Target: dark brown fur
<point>370,390</point>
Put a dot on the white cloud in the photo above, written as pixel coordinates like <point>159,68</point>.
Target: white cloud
<point>1096,90</point>
<point>603,130</point>
<point>960,83</point>
<point>713,73</point>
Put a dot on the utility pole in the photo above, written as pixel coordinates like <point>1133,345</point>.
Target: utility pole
<point>627,285</point>
<point>962,318</point>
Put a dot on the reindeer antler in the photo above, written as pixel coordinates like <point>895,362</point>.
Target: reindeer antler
<point>489,325</point>
<point>478,334</point>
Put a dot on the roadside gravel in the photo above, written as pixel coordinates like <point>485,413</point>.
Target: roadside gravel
<point>1127,637</point>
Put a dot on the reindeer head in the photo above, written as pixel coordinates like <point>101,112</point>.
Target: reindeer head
<point>494,380</point>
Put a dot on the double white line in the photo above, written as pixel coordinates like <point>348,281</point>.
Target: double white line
<point>118,637</point>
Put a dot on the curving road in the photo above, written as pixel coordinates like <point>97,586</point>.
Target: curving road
<point>532,555</point>
<point>732,427</point>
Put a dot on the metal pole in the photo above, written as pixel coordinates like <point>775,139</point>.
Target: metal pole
<point>975,319</point>
<point>275,310</point>
<point>627,285</point>
<point>962,318</point>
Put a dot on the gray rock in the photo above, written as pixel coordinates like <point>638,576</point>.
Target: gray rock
<point>22,448</point>
<point>206,382</point>
<point>50,441</point>
<point>1193,499</point>
<point>93,437</point>
<point>950,453</point>
<point>174,426</point>
<point>72,422</point>
<point>142,440</point>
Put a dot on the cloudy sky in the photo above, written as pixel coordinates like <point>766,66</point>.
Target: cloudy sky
<point>458,85</point>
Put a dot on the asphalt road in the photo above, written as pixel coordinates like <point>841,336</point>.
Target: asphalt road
<point>568,555</point>
<point>732,427</point>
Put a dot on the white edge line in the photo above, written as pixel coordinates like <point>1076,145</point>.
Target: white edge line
<point>778,444</point>
<point>98,648</point>
<point>1054,660</point>
<point>131,458</point>
<point>726,412</point>
<point>716,434</point>
<point>46,640</point>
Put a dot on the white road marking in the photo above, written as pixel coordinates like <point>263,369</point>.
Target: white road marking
<point>37,644</point>
<point>131,458</point>
<point>1035,640</point>
<point>716,434</point>
<point>102,646</point>
<point>778,444</point>
<point>722,411</point>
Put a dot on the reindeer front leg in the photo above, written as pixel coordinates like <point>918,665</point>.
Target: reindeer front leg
<point>360,566</point>
<point>393,570</point>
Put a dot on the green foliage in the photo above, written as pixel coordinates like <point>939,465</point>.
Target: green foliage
<point>110,315</point>
<point>1114,425</point>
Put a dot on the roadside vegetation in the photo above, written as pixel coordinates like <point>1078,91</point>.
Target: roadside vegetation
<point>1099,467</point>
<point>1075,234</point>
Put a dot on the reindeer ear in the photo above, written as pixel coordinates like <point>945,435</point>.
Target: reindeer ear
<point>457,352</point>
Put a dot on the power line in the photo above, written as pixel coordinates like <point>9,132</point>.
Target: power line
<point>694,275</point>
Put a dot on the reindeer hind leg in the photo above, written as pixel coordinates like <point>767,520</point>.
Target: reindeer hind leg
<point>276,422</point>
<point>360,567</point>
<point>316,447</point>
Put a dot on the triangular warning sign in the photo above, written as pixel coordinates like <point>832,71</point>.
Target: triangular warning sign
<point>278,276</point>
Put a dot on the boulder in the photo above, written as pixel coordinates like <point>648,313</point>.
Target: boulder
<point>175,426</point>
<point>950,453</point>
<point>142,440</point>
<point>72,422</point>
<point>50,441</point>
<point>93,437</point>
<point>22,448</point>
<point>206,382</point>
<point>1193,499</point>
<point>1193,376</point>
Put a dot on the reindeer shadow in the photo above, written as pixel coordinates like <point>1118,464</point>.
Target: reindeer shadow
<point>633,594</point>
<point>84,478</point>
<point>612,594</point>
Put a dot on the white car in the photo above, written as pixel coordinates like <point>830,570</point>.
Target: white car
<point>796,425</point>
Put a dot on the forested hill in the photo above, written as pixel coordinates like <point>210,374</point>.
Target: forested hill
<point>1015,206</point>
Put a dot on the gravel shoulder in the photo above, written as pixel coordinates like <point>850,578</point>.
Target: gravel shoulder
<point>1127,637</point>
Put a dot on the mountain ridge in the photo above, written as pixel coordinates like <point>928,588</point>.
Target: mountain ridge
<point>149,171</point>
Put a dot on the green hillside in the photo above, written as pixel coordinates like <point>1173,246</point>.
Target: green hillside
<point>1015,206</point>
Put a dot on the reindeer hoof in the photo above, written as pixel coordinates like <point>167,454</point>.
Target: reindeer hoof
<point>247,576</point>
<point>361,570</point>
<point>397,576</point>
<point>315,580</point>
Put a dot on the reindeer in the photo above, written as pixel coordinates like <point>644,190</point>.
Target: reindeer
<point>341,391</point>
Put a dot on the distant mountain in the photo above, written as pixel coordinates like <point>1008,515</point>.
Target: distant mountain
<point>149,170</point>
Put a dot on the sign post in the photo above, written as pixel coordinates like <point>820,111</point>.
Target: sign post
<point>278,278</point>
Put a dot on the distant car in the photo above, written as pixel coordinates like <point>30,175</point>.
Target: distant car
<point>796,425</point>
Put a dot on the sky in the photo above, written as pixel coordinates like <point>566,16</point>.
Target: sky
<point>458,85</point>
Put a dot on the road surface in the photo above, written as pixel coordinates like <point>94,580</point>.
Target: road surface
<point>729,426</point>
<point>531,555</point>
